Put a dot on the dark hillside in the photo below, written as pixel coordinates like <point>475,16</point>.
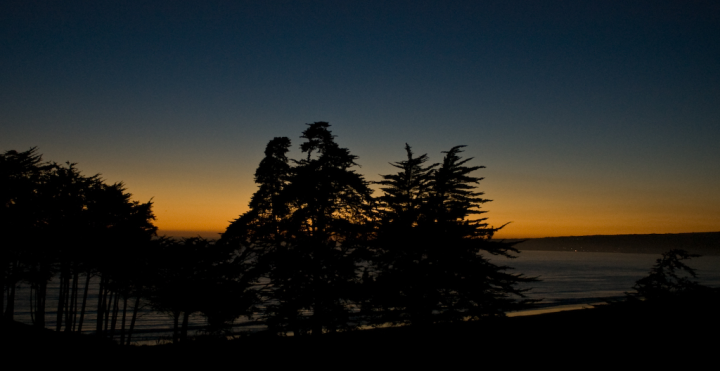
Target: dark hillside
<point>707,243</point>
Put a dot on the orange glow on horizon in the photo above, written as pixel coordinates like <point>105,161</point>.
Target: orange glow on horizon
<point>205,204</point>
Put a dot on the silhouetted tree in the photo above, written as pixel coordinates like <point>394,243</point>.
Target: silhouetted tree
<point>404,199</point>
<point>430,266</point>
<point>310,222</point>
<point>329,202</point>
<point>195,275</point>
<point>669,278</point>
<point>405,193</point>
<point>174,264</point>
<point>60,223</point>
<point>125,229</point>
<point>21,174</point>
<point>65,196</point>
<point>227,288</point>
<point>261,228</point>
<point>669,296</point>
<point>259,232</point>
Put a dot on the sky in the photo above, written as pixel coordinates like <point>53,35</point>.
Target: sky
<point>592,117</point>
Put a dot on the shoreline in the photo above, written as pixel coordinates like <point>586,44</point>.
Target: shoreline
<point>604,333</point>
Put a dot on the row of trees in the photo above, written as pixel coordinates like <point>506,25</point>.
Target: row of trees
<point>195,275</point>
<point>58,224</point>
<point>333,256</point>
<point>316,251</point>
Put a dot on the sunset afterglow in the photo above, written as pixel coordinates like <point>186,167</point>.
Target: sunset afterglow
<point>589,119</point>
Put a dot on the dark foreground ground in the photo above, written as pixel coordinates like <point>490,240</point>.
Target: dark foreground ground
<point>683,335</point>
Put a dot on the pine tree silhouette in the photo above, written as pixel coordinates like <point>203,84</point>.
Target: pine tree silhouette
<point>307,223</point>
<point>430,263</point>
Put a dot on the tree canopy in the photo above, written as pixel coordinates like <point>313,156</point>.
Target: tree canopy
<point>62,224</point>
<point>669,278</point>
<point>428,257</point>
<point>315,252</point>
<point>327,248</point>
<point>309,220</point>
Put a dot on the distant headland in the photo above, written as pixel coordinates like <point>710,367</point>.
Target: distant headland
<point>703,243</point>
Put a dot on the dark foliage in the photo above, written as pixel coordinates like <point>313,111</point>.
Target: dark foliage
<point>195,275</point>
<point>61,224</point>
<point>315,252</point>
<point>430,266</point>
<point>309,220</point>
<point>326,249</point>
<point>670,279</point>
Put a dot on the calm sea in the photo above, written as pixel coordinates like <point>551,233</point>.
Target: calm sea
<point>568,280</point>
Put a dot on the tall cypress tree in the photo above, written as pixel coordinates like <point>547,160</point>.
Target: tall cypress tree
<point>396,252</point>
<point>308,222</point>
<point>330,204</point>
<point>21,174</point>
<point>430,259</point>
<point>259,234</point>
<point>260,228</point>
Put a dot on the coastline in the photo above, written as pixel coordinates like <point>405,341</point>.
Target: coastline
<point>706,243</point>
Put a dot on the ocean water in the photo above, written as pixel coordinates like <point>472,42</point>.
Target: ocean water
<point>568,280</point>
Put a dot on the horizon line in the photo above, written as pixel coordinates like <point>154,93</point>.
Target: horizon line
<point>216,234</point>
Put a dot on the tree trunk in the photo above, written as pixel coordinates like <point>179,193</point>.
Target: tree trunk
<point>32,310</point>
<point>4,264</point>
<point>84,301</point>
<point>8,286</point>
<point>61,301</point>
<point>73,303</point>
<point>108,308</point>
<point>41,293</point>
<point>183,333</point>
<point>116,306</point>
<point>176,318</point>
<point>68,303</point>
<point>122,324</point>
<point>10,311</point>
<point>100,305</point>
<point>134,317</point>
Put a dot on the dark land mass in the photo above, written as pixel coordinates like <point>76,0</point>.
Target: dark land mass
<point>707,243</point>
<point>643,334</point>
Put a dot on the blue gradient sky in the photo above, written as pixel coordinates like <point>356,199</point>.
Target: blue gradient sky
<point>595,117</point>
